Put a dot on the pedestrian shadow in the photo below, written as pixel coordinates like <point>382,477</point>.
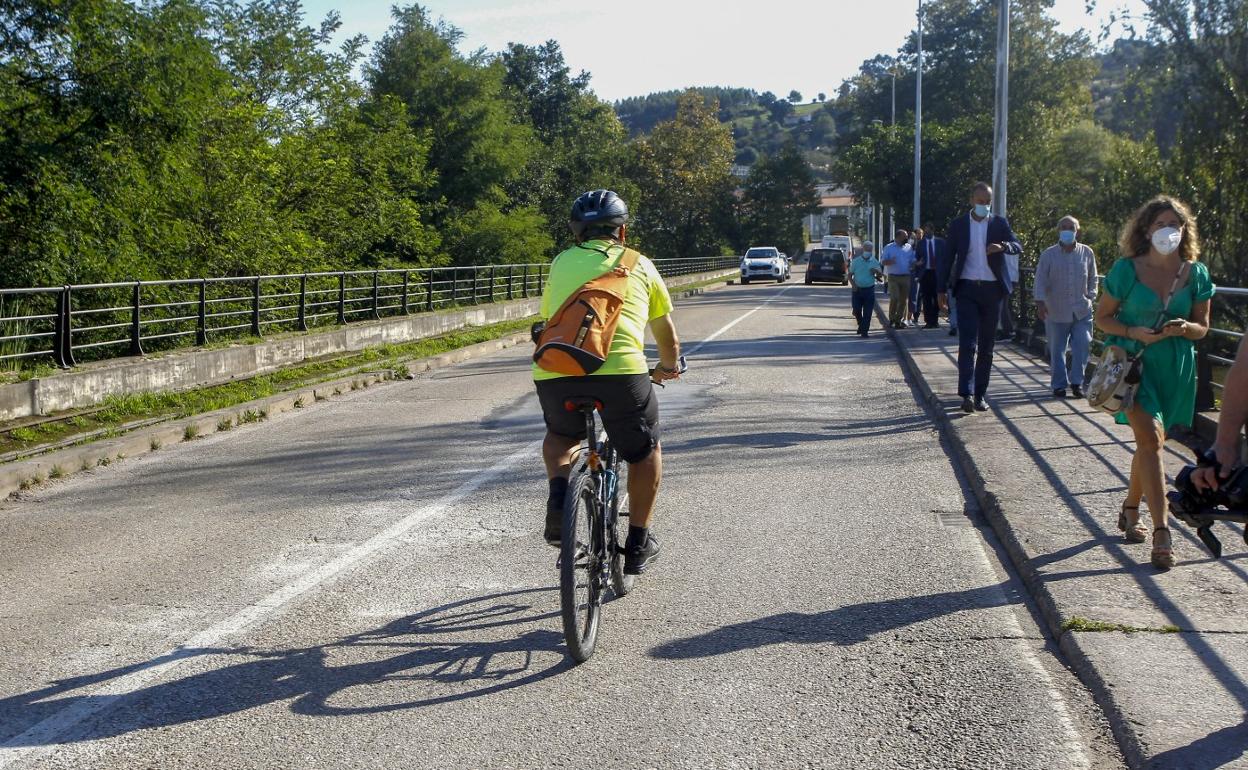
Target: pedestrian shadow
<point>1217,749</point>
<point>843,626</point>
<point>425,659</point>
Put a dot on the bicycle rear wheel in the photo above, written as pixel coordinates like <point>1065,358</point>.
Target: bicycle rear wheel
<point>580,582</point>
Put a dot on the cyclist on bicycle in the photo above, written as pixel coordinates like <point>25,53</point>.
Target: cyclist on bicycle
<point>630,411</point>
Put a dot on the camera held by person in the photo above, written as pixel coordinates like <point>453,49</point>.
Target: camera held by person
<point>1200,505</point>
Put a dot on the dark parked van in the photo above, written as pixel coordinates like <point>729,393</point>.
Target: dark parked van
<point>828,265</point>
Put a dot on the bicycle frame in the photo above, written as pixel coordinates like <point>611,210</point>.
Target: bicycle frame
<point>603,463</point>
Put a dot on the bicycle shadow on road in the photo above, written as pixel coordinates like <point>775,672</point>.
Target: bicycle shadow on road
<point>413,662</point>
<point>843,626</point>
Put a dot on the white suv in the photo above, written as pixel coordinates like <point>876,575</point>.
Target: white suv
<point>764,262</point>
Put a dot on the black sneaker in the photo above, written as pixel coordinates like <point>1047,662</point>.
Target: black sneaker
<point>638,558</point>
<point>980,404</point>
<point>968,405</point>
<point>1059,393</point>
<point>554,524</point>
<point>1076,391</point>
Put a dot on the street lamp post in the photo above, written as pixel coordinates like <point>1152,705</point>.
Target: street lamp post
<point>1001,122</point>
<point>918,118</point>
<point>892,226</point>
<point>919,112</point>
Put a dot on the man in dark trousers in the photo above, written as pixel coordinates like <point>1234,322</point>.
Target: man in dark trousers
<point>931,254</point>
<point>978,279</point>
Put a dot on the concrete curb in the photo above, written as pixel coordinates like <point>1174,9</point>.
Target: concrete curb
<point>1068,643</point>
<point>24,474</point>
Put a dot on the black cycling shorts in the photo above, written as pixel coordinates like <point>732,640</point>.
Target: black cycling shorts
<point>630,412</point>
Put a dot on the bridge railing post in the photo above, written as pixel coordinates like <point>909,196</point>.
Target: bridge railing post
<point>255,307</point>
<point>342,298</point>
<point>201,315</point>
<point>136,320</point>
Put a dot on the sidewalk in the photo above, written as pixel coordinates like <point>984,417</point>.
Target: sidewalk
<point>1050,476</point>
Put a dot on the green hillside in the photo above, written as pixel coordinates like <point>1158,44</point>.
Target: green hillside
<point>761,123</point>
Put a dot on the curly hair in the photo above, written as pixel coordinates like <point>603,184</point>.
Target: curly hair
<point>1134,240</point>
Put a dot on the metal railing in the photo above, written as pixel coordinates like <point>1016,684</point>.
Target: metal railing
<point>106,320</point>
<point>1213,353</point>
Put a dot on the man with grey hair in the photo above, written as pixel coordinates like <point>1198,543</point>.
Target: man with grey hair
<point>864,269</point>
<point>1065,293</point>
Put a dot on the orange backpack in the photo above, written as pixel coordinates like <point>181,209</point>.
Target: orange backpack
<point>577,338</point>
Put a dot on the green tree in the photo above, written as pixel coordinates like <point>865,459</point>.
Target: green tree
<point>1194,87</point>
<point>583,145</point>
<point>1049,95</point>
<point>683,170</point>
<point>476,147</point>
<point>778,194</point>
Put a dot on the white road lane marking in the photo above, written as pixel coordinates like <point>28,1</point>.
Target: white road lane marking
<point>733,323</point>
<point>41,738</point>
<point>1076,754</point>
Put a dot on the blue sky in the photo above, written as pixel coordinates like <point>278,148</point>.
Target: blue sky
<point>641,46</point>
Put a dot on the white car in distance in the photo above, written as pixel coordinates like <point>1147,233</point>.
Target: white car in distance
<point>764,263</point>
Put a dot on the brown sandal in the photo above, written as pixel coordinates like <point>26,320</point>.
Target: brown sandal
<point>1132,530</point>
<point>1163,555</point>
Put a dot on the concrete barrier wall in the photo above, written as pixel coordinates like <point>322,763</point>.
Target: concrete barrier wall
<point>91,384</point>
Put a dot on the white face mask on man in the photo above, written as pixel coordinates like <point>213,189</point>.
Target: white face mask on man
<point>1167,240</point>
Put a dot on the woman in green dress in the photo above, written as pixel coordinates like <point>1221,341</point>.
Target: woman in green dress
<point>1161,245</point>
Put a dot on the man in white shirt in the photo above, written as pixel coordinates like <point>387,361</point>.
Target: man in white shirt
<point>979,276</point>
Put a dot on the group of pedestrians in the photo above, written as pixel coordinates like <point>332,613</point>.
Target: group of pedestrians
<point>908,266</point>
<point>1155,305</point>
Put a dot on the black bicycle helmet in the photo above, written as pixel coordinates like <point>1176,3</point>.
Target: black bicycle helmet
<point>598,210</point>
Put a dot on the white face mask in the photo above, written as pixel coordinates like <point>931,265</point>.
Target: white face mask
<point>1167,239</point>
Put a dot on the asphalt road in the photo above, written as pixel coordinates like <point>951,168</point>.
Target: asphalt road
<point>363,584</point>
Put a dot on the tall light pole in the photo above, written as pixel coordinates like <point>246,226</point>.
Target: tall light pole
<point>1001,124</point>
<point>918,118</point>
<point>892,226</point>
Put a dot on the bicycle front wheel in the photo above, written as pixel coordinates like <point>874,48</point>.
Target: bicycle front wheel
<point>580,584</point>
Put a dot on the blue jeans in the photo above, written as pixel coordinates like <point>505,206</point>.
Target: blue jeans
<point>863,302</point>
<point>1076,334</point>
<point>979,309</point>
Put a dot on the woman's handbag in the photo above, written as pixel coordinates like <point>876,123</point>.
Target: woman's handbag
<point>1116,380</point>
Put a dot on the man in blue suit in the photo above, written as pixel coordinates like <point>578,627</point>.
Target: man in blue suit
<point>931,253</point>
<point>978,279</point>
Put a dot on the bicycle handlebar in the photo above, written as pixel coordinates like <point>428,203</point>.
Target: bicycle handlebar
<point>682,366</point>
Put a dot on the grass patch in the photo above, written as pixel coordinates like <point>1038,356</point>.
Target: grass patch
<point>299,402</point>
<point>25,435</point>
<point>249,416</point>
<point>57,472</point>
<point>224,424</point>
<point>155,445</point>
<point>119,410</point>
<point>1100,626</point>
